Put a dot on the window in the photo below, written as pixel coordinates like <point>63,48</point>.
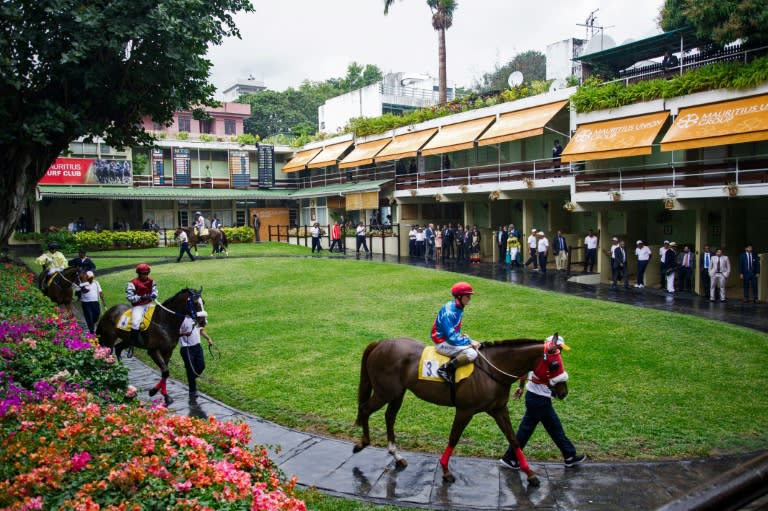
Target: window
<point>206,126</point>
<point>185,123</point>
<point>157,126</point>
<point>230,127</point>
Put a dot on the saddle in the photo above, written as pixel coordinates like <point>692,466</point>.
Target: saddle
<point>124,321</point>
<point>431,360</point>
<point>201,232</point>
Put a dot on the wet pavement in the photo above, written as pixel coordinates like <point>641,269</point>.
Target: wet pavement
<point>483,484</point>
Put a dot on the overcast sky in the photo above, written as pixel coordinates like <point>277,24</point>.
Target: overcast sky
<point>285,42</point>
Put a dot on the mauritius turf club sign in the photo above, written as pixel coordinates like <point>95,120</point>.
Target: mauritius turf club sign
<point>88,171</point>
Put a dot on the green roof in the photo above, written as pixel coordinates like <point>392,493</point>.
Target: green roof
<point>169,193</point>
<point>623,56</point>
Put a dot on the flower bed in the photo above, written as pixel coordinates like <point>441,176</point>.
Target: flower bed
<point>72,438</point>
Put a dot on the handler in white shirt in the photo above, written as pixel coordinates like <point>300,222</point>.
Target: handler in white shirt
<point>192,353</point>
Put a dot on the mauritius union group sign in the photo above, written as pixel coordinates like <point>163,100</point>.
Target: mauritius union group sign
<point>88,171</point>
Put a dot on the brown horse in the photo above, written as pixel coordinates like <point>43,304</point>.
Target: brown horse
<point>391,366</point>
<point>216,237</point>
<point>161,337</point>
<point>60,288</point>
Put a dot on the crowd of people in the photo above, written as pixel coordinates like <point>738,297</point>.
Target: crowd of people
<point>445,242</point>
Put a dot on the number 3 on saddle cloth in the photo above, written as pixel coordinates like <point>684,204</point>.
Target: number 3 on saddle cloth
<point>430,360</point>
<point>124,322</point>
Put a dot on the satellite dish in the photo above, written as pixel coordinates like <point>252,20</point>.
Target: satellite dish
<point>515,79</point>
<point>598,43</point>
<point>560,83</point>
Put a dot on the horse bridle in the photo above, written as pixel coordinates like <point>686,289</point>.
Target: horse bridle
<point>190,308</point>
<point>563,376</point>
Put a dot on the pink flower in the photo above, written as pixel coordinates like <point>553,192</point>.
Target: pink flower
<point>131,392</point>
<point>185,486</point>
<point>79,461</point>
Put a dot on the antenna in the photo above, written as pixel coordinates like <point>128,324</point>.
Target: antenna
<point>590,24</point>
<point>515,79</point>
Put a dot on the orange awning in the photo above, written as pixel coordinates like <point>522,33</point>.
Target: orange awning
<point>727,122</point>
<point>455,137</point>
<point>329,155</point>
<point>299,162</point>
<point>363,154</point>
<point>521,124</point>
<point>405,146</point>
<point>630,136</point>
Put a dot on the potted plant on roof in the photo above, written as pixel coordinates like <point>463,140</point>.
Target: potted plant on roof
<point>669,203</point>
<point>494,195</point>
<point>463,188</point>
<point>616,196</point>
<point>569,205</point>
<point>528,182</point>
<point>413,192</point>
<point>439,197</point>
<point>732,188</point>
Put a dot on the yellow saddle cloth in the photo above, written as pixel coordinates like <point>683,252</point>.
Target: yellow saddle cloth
<point>201,232</point>
<point>124,323</point>
<point>430,360</point>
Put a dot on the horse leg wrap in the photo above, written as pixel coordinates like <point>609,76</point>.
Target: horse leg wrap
<point>162,387</point>
<point>521,459</point>
<point>446,457</point>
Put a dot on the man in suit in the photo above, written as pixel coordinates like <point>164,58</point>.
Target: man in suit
<point>560,251</point>
<point>749,271</point>
<point>686,263</point>
<point>501,241</point>
<point>619,265</point>
<point>705,261</point>
<point>670,266</point>
<point>718,273</point>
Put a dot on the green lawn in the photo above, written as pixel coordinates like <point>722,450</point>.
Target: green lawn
<point>644,384</point>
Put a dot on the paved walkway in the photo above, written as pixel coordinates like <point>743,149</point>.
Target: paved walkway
<point>482,484</point>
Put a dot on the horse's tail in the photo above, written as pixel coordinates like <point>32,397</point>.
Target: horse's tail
<point>224,240</point>
<point>364,389</point>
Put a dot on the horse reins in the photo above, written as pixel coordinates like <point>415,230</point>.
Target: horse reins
<point>514,377</point>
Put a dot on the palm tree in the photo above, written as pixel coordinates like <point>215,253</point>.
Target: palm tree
<point>442,19</point>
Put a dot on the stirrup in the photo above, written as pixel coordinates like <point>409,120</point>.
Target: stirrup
<point>446,372</point>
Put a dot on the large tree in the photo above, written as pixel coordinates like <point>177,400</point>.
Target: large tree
<point>532,64</point>
<point>442,19</point>
<point>719,21</point>
<point>72,68</point>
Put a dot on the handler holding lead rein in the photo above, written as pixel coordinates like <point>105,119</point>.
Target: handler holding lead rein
<point>446,332</point>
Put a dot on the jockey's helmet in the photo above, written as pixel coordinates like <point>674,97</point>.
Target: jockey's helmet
<point>461,289</point>
<point>53,246</point>
<point>143,268</point>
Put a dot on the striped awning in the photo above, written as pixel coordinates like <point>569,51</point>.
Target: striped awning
<point>300,161</point>
<point>406,145</point>
<point>456,137</point>
<point>329,155</point>
<point>521,124</point>
<point>364,153</point>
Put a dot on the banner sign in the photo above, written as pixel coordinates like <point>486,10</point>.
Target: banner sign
<point>239,169</point>
<point>88,171</point>
<point>158,167</point>
<point>266,166</point>
<point>182,163</point>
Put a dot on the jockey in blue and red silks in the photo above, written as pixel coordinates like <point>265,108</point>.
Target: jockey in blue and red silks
<point>446,332</point>
<point>140,292</point>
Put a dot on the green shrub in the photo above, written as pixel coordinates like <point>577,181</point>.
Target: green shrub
<point>106,240</point>
<point>239,234</point>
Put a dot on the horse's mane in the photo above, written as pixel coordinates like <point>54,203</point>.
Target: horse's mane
<point>508,342</point>
<point>185,290</point>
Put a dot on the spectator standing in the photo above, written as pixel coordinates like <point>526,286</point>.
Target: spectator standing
<point>449,236</point>
<point>670,266</point>
<point>662,252</point>
<point>90,293</point>
<point>513,231</point>
<point>749,271</point>
<point>215,223</point>
<point>643,254</point>
<point>361,242</point>
<point>542,249</point>
<point>590,259</point>
<point>705,262</point>
<point>439,243</point>
<point>532,249</point>
<point>475,244</point>
<point>82,262</point>
<point>192,353</point>
<point>461,254</point>
<point>539,409</point>
<point>412,241</point>
<point>183,239</point>
<point>560,251</point>
<point>686,261</point>
<point>619,265</point>
<point>501,242</point>
<point>719,272</point>
<point>557,150</point>
<point>315,233</point>
<point>429,243</point>
<point>420,239</point>
<point>335,236</point>
<point>256,228</point>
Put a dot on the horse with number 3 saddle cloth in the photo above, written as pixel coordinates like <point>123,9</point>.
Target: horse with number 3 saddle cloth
<point>431,360</point>
<point>124,321</point>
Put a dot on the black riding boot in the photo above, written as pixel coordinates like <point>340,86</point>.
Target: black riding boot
<point>447,371</point>
<point>133,340</point>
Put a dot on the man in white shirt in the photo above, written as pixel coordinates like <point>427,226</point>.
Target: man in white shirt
<point>590,242</point>
<point>532,249</point>
<point>192,353</point>
<point>643,254</point>
<point>542,248</point>
<point>663,276</point>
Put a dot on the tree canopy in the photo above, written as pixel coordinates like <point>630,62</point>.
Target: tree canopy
<point>294,111</point>
<point>72,68</point>
<point>718,21</point>
<point>532,64</point>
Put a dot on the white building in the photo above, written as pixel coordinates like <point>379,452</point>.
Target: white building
<point>559,55</point>
<point>396,93</point>
<point>242,86</point>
